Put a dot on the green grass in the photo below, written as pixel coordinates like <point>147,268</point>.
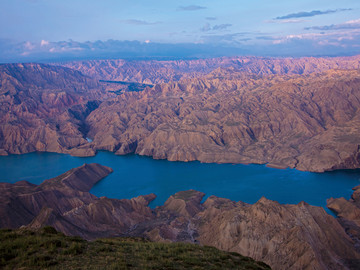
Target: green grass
<point>48,249</point>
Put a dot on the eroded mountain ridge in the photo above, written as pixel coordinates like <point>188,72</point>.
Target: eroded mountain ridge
<point>298,113</point>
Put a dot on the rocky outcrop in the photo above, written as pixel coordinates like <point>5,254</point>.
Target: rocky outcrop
<point>348,212</point>
<point>65,203</point>
<point>284,236</point>
<point>22,202</point>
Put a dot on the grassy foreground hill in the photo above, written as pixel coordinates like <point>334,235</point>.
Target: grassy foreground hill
<point>49,249</point>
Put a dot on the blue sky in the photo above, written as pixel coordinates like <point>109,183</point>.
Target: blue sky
<point>31,28</point>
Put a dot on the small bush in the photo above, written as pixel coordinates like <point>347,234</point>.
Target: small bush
<point>49,230</point>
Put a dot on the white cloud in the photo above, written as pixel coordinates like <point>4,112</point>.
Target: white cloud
<point>138,22</point>
<point>343,39</point>
<point>44,43</point>
<point>353,24</point>
<point>29,46</point>
<point>207,27</point>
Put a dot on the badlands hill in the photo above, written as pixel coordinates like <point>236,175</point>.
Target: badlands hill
<point>43,108</point>
<point>298,113</point>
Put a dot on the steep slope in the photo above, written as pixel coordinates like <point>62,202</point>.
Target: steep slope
<point>22,201</point>
<point>43,107</point>
<point>306,122</point>
<point>284,236</point>
<point>348,212</point>
<point>65,203</point>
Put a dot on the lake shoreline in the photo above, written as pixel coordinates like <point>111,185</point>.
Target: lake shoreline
<point>138,175</point>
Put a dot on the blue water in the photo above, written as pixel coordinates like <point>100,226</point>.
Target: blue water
<point>135,175</point>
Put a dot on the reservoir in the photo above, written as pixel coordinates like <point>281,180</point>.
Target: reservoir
<point>137,175</point>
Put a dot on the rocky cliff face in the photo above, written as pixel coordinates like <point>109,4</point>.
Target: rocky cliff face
<point>284,236</point>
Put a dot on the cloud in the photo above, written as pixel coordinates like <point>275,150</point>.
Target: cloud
<point>354,24</point>
<point>11,51</point>
<point>286,21</point>
<point>211,18</point>
<point>44,43</point>
<point>234,39</point>
<point>29,46</point>
<point>206,28</point>
<point>303,14</point>
<point>138,22</point>
<point>312,44</point>
<point>344,39</point>
<point>265,38</point>
<point>190,8</point>
<point>210,44</point>
<point>219,27</point>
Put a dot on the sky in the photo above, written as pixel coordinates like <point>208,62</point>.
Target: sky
<point>66,29</point>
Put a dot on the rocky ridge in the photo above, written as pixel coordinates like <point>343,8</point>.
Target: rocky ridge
<point>308,122</point>
<point>287,115</point>
<point>284,236</point>
<point>157,72</point>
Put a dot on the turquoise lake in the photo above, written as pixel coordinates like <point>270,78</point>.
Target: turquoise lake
<point>136,175</point>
